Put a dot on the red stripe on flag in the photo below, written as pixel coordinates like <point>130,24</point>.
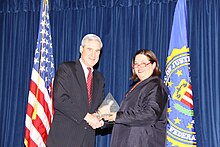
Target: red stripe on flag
<point>30,110</point>
<point>190,87</point>
<point>188,95</point>
<point>187,103</point>
<point>37,123</point>
<point>41,100</point>
<point>30,142</point>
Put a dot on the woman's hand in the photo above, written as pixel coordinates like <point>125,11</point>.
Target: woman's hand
<point>111,116</point>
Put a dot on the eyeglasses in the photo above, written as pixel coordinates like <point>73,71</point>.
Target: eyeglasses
<point>141,65</point>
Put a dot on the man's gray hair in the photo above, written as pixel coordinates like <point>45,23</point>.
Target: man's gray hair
<point>91,37</point>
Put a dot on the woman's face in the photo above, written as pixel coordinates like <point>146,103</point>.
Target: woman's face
<point>143,67</point>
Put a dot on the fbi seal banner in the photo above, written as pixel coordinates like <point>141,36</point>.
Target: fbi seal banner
<point>180,128</point>
<point>181,124</point>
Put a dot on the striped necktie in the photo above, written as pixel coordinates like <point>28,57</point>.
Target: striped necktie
<point>89,85</point>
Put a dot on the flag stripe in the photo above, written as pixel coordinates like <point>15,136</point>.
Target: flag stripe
<point>190,87</point>
<point>187,103</point>
<point>41,99</point>
<point>188,95</point>
<point>34,134</point>
<point>31,143</point>
<point>40,111</point>
<point>41,85</point>
<point>37,123</point>
<point>189,100</point>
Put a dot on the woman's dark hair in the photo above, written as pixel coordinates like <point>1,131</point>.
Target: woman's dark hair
<point>152,58</point>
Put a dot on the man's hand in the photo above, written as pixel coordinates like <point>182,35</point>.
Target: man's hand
<point>93,121</point>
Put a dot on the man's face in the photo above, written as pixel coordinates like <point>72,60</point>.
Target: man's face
<point>90,52</point>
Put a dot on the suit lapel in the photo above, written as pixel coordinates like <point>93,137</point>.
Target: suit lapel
<point>94,86</point>
<point>82,82</point>
<point>80,76</point>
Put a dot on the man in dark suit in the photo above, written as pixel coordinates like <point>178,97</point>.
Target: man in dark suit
<point>74,116</point>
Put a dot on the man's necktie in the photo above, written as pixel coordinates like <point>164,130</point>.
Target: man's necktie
<point>89,85</point>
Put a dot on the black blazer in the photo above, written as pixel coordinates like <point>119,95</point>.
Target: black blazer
<point>141,120</point>
<point>71,105</point>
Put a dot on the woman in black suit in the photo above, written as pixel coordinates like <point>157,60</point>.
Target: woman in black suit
<point>141,120</point>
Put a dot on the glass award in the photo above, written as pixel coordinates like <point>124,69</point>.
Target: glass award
<point>108,106</point>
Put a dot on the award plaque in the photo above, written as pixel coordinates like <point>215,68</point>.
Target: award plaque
<point>108,106</point>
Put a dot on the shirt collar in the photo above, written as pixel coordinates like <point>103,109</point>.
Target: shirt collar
<point>86,72</point>
<point>84,66</point>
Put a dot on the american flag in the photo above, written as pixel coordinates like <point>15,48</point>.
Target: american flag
<point>40,109</point>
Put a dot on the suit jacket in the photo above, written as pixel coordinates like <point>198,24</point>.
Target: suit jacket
<point>68,128</point>
<point>141,120</point>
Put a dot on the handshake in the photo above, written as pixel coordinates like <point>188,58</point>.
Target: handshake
<point>105,113</point>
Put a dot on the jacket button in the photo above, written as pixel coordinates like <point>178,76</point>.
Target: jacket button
<point>85,128</point>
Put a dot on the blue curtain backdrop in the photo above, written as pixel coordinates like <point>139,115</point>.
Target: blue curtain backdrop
<point>124,26</point>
